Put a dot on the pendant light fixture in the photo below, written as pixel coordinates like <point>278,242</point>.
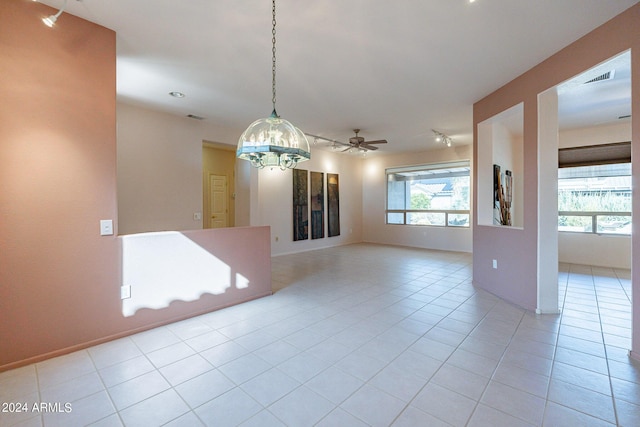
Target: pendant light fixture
<point>273,141</point>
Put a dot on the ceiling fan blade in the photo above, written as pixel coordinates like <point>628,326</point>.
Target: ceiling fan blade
<point>366,146</point>
<point>346,149</point>
<point>379,141</point>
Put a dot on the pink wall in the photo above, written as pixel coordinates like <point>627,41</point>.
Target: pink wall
<point>59,279</point>
<point>185,272</point>
<point>515,280</point>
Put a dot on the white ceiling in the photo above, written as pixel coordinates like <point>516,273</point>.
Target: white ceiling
<point>396,70</point>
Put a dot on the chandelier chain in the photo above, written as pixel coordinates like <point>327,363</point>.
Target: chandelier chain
<point>272,141</point>
<point>273,57</point>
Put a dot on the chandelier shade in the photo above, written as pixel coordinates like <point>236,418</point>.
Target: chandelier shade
<point>273,142</point>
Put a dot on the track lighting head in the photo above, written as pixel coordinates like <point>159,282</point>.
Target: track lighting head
<point>50,20</point>
<point>441,137</point>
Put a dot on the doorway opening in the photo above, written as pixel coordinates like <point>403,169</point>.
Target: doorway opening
<point>589,162</point>
<point>218,189</point>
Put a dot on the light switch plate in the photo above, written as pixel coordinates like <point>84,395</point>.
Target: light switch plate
<point>106,227</point>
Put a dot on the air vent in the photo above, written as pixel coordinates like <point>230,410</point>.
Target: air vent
<point>193,116</point>
<point>606,76</point>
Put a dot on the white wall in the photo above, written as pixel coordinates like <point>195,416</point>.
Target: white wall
<point>374,200</point>
<point>160,181</point>
<point>547,209</point>
<point>507,153</point>
<point>500,143</point>
<point>594,249</point>
<point>275,190</point>
<point>160,169</point>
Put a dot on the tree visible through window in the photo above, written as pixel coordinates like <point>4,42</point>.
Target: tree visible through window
<point>436,194</point>
<point>595,199</point>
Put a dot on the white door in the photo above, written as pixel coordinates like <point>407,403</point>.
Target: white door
<point>218,196</point>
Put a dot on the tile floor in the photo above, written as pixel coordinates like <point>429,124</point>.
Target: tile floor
<point>354,336</point>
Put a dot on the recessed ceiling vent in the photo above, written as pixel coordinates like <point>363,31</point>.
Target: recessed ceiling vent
<point>193,116</point>
<point>603,77</point>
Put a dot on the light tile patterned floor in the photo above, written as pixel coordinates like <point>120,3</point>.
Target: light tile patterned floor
<point>354,336</point>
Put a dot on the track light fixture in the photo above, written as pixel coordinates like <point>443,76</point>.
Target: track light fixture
<point>50,20</point>
<point>441,137</point>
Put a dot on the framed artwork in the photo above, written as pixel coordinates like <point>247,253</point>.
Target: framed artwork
<point>502,196</point>
<point>333,204</point>
<point>317,205</point>
<point>300,205</point>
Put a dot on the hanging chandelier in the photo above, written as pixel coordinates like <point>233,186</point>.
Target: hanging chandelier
<point>273,141</point>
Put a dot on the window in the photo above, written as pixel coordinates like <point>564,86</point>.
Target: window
<point>436,195</point>
<point>595,199</point>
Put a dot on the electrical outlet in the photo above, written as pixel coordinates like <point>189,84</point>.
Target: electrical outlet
<point>495,264</point>
<point>125,292</point>
<point>197,216</point>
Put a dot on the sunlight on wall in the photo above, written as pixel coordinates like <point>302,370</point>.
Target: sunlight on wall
<point>374,169</point>
<point>329,165</point>
<point>241,281</point>
<point>167,266</point>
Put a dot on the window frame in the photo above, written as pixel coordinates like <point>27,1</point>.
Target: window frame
<point>430,168</point>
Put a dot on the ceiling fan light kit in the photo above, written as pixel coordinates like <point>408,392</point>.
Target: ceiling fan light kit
<point>273,141</point>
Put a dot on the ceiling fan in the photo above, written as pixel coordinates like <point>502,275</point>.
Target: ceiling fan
<point>356,142</point>
<point>359,142</point>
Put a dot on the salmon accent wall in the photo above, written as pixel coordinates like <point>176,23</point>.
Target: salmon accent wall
<point>59,279</point>
<point>517,250</point>
<point>57,178</point>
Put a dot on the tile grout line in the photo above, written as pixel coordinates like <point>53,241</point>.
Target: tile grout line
<point>606,354</point>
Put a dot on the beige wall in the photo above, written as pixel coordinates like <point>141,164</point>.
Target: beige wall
<point>603,134</point>
<point>218,161</point>
<point>517,250</point>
